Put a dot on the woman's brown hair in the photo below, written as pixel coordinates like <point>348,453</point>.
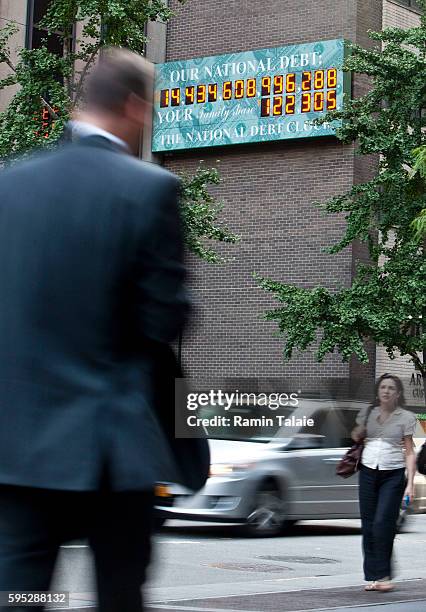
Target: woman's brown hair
<point>399,386</point>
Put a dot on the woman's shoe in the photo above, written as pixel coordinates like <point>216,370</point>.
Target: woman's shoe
<point>384,585</point>
<point>371,586</point>
<point>380,585</point>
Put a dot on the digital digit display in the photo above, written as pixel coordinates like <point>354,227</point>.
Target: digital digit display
<point>318,101</point>
<point>213,92</point>
<point>313,84</point>
<point>175,97</point>
<point>277,108</point>
<point>201,94</point>
<point>251,88</point>
<point>290,105</point>
<point>290,83</point>
<point>306,81</point>
<point>253,96</point>
<point>331,78</point>
<point>306,103</point>
<point>189,95</point>
<point>278,84</point>
<point>227,90</point>
<point>266,86</point>
<point>239,90</point>
<point>265,107</point>
<point>164,98</point>
<point>45,120</point>
<point>319,79</point>
<point>331,99</point>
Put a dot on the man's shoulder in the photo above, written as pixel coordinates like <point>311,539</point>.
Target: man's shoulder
<point>119,173</point>
<point>25,163</point>
<point>151,171</point>
<point>128,166</point>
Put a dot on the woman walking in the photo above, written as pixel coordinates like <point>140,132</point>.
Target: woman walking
<point>388,466</point>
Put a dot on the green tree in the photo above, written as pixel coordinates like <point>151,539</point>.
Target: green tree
<point>419,171</point>
<point>200,212</point>
<point>387,300</point>
<point>55,83</point>
<point>51,86</point>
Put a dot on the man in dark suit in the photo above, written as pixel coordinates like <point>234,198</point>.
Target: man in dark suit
<point>91,278</point>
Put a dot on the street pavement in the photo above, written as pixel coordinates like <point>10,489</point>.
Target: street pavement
<point>316,566</point>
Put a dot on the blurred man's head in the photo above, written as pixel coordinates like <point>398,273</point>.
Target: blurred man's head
<point>118,94</point>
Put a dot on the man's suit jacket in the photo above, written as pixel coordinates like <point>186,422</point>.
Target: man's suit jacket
<point>90,274</point>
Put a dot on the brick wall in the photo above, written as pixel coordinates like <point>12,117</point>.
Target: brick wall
<point>397,16</point>
<point>12,10</point>
<point>269,193</point>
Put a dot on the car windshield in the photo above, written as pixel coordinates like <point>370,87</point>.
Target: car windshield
<point>244,423</point>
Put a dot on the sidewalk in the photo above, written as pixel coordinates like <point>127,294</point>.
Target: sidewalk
<point>408,596</point>
<point>337,599</point>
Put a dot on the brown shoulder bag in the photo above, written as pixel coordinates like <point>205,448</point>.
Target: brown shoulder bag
<point>350,462</point>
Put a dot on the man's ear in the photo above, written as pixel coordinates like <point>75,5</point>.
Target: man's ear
<point>136,109</point>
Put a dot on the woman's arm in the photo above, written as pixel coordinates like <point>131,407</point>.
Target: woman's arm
<point>358,433</point>
<point>410,462</point>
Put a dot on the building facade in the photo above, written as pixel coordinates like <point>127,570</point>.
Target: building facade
<point>269,190</point>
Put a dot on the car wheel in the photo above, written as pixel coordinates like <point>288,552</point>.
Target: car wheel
<point>267,516</point>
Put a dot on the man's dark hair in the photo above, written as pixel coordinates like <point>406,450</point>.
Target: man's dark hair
<point>118,74</point>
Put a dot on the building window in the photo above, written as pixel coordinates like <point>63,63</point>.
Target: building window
<point>39,37</point>
<point>412,4</point>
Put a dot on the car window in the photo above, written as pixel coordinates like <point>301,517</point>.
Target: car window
<point>334,424</point>
<point>340,423</point>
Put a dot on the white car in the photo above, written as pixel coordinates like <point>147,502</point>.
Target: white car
<point>269,478</point>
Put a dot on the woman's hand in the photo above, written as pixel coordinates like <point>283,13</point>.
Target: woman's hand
<point>358,433</point>
<point>409,490</point>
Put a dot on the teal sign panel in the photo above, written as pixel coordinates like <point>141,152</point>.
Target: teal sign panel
<point>254,96</point>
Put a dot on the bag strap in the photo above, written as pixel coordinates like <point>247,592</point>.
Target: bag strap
<point>367,416</point>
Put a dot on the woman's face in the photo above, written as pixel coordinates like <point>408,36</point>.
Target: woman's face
<point>388,392</point>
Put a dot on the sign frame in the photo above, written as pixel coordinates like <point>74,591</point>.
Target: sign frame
<point>205,118</point>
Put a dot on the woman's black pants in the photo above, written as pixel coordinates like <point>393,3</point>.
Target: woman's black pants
<point>380,496</point>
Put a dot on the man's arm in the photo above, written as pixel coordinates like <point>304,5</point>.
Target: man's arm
<point>163,299</point>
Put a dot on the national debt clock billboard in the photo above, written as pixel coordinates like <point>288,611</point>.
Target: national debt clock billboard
<point>253,96</point>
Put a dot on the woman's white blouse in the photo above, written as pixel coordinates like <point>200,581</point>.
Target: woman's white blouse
<point>383,445</point>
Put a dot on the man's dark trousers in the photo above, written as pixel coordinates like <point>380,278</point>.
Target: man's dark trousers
<point>380,496</point>
<point>35,522</point>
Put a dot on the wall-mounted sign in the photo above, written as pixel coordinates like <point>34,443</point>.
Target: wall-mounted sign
<point>255,96</point>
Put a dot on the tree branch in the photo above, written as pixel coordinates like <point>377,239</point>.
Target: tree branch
<point>49,108</point>
<point>83,75</point>
<point>418,362</point>
<point>8,62</point>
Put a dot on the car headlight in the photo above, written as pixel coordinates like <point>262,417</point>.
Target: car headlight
<point>224,469</point>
